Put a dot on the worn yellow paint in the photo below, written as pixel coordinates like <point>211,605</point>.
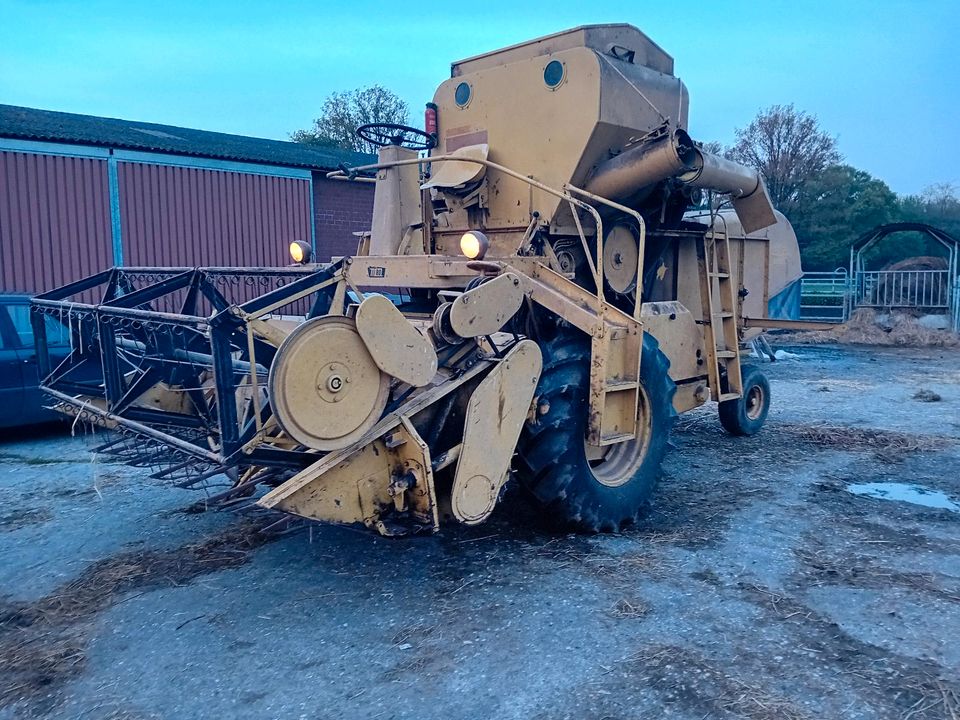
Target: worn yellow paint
<point>325,388</point>
<point>485,309</point>
<point>495,415</point>
<point>396,346</point>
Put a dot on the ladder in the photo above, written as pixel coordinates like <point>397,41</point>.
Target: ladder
<point>614,381</point>
<point>718,297</point>
<point>616,342</point>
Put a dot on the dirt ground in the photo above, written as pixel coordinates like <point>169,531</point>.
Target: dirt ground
<point>758,586</point>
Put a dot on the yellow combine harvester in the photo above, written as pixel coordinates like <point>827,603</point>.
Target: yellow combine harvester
<point>537,295</point>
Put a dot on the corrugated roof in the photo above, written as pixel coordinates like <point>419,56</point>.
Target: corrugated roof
<point>49,126</point>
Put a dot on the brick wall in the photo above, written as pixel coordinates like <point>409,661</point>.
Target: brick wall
<point>340,209</point>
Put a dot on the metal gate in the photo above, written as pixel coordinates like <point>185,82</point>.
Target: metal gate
<point>824,296</point>
<point>935,291</point>
<point>928,290</point>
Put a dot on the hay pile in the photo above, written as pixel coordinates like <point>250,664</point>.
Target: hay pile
<point>920,262</point>
<point>855,438</point>
<point>888,446</point>
<point>865,328</point>
<point>43,643</point>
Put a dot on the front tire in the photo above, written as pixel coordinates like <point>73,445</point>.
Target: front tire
<point>594,489</point>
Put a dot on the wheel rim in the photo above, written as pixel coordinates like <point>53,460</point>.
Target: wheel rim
<point>754,402</point>
<point>615,465</point>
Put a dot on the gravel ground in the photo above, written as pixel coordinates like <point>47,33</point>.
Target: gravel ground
<point>757,587</point>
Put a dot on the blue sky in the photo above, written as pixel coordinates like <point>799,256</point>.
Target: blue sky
<point>882,76</point>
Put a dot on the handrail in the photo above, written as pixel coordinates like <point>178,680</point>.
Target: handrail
<point>641,243</point>
<point>597,268</point>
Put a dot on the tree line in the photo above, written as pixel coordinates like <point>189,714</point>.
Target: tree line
<point>829,202</point>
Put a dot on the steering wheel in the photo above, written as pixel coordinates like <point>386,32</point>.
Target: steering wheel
<point>382,134</point>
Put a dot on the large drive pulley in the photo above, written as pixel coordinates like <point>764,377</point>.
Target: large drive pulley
<point>621,250</point>
<point>325,389</point>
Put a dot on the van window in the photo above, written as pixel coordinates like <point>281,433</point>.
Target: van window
<point>57,333</point>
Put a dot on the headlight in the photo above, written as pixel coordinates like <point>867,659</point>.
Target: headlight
<point>474,244</point>
<point>300,252</point>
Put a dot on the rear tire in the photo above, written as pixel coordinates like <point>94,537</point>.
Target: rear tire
<point>575,483</point>
<point>746,414</point>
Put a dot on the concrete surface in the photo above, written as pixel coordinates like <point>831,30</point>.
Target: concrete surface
<point>757,587</point>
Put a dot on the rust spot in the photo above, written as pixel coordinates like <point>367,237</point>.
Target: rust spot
<point>455,142</point>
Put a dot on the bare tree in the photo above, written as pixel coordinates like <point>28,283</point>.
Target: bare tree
<point>344,112</point>
<point>941,199</point>
<point>788,147</point>
<point>711,146</point>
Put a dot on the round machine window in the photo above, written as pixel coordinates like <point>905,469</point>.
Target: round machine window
<point>553,73</point>
<point>462,94</point>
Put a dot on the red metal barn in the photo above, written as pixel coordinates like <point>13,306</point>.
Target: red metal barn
<point>80,193</point>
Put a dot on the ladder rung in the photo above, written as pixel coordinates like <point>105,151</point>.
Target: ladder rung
<point>729,396</point>
<point>615,385</point>
<point>721,275</point>
<point>726,354</point>
<point>725,314</point>
<point>615,437</point>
